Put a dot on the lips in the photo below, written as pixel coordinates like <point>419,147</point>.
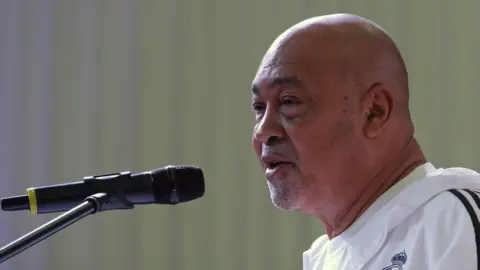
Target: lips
<point>277,171</point>
<point>275,166</point>
<point>273,161</point>
<point>272,165</point>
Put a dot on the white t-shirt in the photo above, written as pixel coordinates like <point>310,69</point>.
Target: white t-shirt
<point>429,220</point>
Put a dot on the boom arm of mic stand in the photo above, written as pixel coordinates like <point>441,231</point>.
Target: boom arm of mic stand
<point>91,205</point>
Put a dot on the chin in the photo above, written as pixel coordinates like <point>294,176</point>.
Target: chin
<point>285,198</point>
<point>285,206</point>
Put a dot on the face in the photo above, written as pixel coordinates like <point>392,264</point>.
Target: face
<point>305,133</point>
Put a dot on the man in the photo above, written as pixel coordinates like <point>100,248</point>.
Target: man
<point>334,135</point>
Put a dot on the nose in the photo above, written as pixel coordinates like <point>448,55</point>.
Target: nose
<point>269,128</point>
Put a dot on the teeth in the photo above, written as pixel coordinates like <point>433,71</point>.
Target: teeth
<point>275,164</point>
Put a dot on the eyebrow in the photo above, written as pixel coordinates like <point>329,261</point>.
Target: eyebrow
<point>280,81</point>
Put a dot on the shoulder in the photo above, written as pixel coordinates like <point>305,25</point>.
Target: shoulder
<point>457,198</point>
<point>453,208</point>
<point>450,229</point>
<point>457,171</point>
<point>451,220</point>
<point>450,203</point>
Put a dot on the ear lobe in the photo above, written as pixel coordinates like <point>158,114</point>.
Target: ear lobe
<point>378,104</point>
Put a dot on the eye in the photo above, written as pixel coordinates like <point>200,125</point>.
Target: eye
<point>258,107</point>
<point>289,101</point>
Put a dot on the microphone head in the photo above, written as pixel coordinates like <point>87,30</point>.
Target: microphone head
<point>177,184</point>
<point>15,203</point>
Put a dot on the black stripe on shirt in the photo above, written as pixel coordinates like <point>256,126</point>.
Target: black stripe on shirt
<point>473,215</point>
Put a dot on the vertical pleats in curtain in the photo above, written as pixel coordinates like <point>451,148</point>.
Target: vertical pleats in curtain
<point>93,87</point>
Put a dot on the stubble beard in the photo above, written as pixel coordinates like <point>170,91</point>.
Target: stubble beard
<point>284,195</point>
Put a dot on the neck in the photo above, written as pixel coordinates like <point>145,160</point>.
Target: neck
<point>408,158</point>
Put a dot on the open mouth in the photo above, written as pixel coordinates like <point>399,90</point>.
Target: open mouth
<point>275,164</point>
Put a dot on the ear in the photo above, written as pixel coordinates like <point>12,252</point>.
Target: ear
<point>377,105</point>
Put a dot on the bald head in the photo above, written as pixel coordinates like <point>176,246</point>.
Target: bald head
<point>347,49</point>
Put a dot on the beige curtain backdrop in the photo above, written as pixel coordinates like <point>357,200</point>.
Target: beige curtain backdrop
<point>92,87</point>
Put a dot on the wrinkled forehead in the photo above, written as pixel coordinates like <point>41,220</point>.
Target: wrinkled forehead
<point>290,49</point>
<point>281,61</point>
<point>269,74</point>
<point>312,72</point>
<point>277,76</point>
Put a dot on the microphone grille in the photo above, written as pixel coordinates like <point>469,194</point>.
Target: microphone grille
<point>177,184</point>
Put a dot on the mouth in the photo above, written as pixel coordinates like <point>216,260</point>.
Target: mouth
<point>271,162</point>
<point>275,164</point>
<point>277,170</point>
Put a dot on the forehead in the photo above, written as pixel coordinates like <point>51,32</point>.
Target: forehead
<point>291,57</point>
<point>315,63</point>
<point>279,62</point>
<point>286,56</point>
<point>280,74</point>
<point>299,69</point>
<point>269,71</point>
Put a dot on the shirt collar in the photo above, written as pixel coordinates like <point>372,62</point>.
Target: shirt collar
<point>417,174</point>
<point>360,242</point>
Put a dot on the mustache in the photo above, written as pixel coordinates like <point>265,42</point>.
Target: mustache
<point>276,150</point>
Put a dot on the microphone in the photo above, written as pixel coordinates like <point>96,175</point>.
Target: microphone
<point>167,185</point>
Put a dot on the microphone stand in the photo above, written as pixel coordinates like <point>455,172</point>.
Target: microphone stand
<point>91,205</point>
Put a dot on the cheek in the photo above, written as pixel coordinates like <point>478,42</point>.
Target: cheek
<point>318,147</point>
<point>310,147</point>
